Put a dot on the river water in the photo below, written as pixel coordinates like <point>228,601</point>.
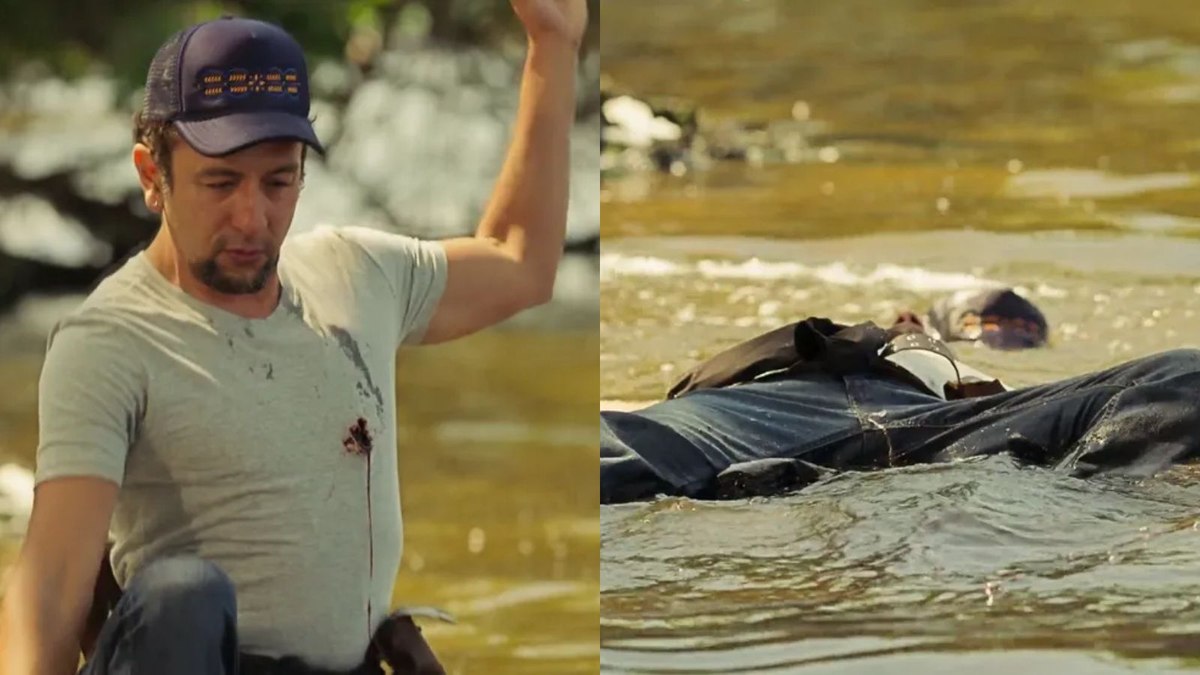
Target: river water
<point>1044,145</point>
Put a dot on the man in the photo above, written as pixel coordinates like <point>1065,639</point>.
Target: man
<point>782,410</point>
<point>225,400</point>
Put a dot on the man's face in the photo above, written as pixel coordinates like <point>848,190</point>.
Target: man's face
<point>229,215</point>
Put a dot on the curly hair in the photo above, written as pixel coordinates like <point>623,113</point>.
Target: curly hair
<point>161,136</point>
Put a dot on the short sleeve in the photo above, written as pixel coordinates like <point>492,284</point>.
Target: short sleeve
<point>91,396</point>
<point>415,271</point>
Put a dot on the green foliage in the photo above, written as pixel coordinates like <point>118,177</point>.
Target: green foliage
<point>73,37</point>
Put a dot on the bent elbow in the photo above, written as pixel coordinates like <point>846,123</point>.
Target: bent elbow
<point>536,288</point>
<point>542,294</point>
<point>519,300</point>
<point>541,290</point>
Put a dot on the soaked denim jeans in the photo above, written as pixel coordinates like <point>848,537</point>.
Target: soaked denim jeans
<point>772,436</point>
<point>178,615</point>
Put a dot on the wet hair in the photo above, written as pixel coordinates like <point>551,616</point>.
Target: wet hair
<point>161,137</point>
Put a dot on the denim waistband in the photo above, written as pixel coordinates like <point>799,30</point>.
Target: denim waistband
<point>255,664</point>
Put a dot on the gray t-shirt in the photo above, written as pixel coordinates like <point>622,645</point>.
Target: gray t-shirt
<point>232,438</point>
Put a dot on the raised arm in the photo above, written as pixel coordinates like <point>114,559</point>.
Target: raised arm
<point>510,263</point>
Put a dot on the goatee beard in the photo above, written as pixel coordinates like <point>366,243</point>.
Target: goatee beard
<point>210,274</point>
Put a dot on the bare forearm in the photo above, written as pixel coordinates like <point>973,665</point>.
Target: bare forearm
<point>528,208</point>
<point>35,636</point>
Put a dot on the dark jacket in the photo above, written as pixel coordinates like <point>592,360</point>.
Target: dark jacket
<point>818,344</point>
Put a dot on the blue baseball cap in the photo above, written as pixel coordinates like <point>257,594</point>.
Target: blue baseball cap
<point>230,83</point>
<point>999,318</point>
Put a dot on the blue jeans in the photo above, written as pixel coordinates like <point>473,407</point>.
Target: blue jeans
<point>773,435</point>
<point>177,615</point>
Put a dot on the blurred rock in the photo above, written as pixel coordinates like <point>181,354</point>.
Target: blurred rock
<point>674,136</point>
<point>16,500</point>
<point>414,147</point>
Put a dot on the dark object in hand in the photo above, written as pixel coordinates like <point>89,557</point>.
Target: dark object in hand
<point>398,642</point>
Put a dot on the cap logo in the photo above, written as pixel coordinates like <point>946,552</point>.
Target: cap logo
<point>240,82</point>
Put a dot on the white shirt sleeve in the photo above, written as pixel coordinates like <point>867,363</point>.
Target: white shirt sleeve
<point>91,397</point>
<point>415,271</point>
